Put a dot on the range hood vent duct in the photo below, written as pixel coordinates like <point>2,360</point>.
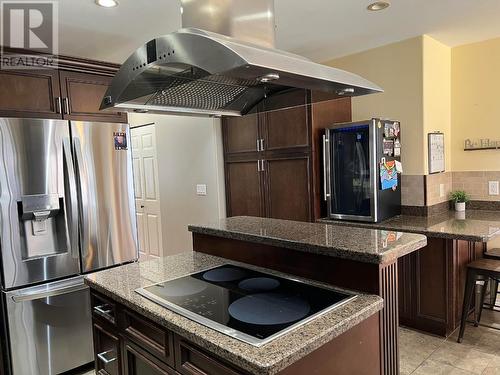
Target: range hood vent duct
<point>199,72</point>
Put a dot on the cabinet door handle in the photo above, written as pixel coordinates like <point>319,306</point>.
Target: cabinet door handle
<point>262,167</point>
<point>58,105</point>
<point>262,144</point>
<point>104,356</point>
<point>258,145</point>
<point>258,165</point>
<point>66,105</point>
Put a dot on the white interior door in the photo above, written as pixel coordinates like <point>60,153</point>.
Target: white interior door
<point>147,196</point>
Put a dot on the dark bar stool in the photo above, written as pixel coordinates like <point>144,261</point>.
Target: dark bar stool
<point>483,268</point>
<point>493,254</point>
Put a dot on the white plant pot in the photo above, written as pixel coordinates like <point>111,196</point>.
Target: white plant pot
<point>460,206</point>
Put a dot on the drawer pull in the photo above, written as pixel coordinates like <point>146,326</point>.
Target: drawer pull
<point>104,356</point>
<point>105,311</point>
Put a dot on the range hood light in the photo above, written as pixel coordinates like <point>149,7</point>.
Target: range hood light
<point>269,77</point>
<point>378,5</point>
<point>107,3</point>
<point>346,91</point>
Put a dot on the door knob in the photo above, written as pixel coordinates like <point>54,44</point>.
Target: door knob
<point>142,206</point>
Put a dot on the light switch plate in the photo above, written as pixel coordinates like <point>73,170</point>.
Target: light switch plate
<point>493,188</point>
<point>201,189</point>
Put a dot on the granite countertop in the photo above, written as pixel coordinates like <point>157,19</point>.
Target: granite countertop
<point>473,225</point>
<point>120,284</point>
<point>360,244</point>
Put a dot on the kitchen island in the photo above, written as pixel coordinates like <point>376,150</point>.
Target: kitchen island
<point>355,258</point>
<point>133,335</point>
<point>432,280</point>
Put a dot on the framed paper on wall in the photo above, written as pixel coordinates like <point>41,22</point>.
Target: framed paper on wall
<point>436,152</point>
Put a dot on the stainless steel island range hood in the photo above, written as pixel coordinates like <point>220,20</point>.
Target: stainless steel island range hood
<point>193,71</point>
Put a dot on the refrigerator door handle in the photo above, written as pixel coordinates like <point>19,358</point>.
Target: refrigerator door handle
<point>68,286</point>
<point>83,196</point>
<point>72,210</point>
<point>326,169</point>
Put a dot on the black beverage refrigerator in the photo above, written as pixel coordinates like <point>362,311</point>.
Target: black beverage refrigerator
<point>362,170</point>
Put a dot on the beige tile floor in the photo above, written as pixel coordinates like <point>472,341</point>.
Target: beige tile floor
<point>423,354</point>
<point>479,352</point>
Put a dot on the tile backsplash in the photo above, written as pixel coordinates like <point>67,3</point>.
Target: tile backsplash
<point>412,190</point>
<point>434,189</point>
<point>438,187</point>
<point>476,184</point>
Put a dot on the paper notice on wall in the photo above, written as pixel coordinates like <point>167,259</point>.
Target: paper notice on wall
<point>436,152</point>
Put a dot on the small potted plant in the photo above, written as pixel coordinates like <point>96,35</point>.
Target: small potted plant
<point>459,197</point>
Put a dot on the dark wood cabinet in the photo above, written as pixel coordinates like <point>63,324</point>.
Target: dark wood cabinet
<point>140,362</point>
<point>107,350</point>
<point>241,134</point>
<point>149,336</point>
<point>286,129</point>
<point>81,97</point>
<point>127,343</point>
<point>432,282</point>
<point>191,360</point>
<point>244,188</point>
<point>272,158</point>
<point>120,353</point>
<point>30,93</point>
<point>69,93</point>
<point>287,187</point>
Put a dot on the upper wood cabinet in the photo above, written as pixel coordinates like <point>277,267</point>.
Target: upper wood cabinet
<point>29,93</point>
<point>241,134</point>
<point>81,97</point>
<point>286,129</point>
<point>275,130</point>
<point>55,94</point>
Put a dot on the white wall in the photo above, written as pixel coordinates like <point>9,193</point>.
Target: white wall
<point>189,152</point>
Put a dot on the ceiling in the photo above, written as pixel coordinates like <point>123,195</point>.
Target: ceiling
<point>323,30</point>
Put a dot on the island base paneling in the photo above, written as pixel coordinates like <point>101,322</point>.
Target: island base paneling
<point>432,284</point>
<point>338,357</point>
<point>380,279</point>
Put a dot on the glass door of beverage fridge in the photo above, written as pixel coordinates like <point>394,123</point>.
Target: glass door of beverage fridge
<point>350,171</point>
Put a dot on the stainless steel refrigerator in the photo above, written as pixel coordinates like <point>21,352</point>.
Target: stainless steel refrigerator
<point>66,209</point>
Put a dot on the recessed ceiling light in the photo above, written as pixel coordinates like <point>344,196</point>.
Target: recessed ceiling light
<point>107,3</point>
<point>378,5</point>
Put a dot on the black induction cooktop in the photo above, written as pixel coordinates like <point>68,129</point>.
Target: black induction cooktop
<point>254,307</point>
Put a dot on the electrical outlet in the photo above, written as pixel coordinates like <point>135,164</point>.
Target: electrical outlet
<point>441,190</point>
<point>493,188</point>
<point>201,189</point>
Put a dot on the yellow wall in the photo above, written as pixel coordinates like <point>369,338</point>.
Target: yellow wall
<point>416,77</point>
<point>475,111</point>
<point>437,95</point>
<point>398,69</point>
